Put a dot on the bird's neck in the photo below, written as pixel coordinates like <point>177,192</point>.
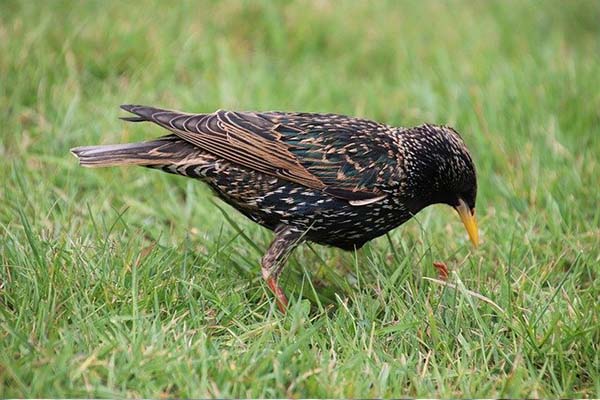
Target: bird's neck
<point>424,169</point>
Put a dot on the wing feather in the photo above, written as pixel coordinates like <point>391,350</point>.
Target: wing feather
<point>315,150</point>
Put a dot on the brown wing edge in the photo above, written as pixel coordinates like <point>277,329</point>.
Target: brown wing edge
<point>163,117</point>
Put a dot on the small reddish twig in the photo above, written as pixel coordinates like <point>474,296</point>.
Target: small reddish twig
<point>442,270</point>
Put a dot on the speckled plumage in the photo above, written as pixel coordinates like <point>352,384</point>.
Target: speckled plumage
<point>326,178</point>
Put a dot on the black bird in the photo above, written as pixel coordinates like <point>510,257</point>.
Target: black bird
<point>326,178</point>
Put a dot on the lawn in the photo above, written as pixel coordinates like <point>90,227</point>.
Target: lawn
<point>134,283</point>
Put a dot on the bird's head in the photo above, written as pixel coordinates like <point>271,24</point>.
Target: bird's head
<point>439,169</point>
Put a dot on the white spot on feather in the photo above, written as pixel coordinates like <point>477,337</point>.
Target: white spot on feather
<point>358,203</point>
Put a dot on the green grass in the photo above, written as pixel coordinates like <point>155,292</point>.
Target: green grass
<point>133,283</point>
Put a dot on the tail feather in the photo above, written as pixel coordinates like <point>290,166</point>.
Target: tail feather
<point>147,113</point>
<point>162,151</point>
<point>133,119</point>
<point>165,118</point>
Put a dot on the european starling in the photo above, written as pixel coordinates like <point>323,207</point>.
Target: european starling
<point>326,178</point>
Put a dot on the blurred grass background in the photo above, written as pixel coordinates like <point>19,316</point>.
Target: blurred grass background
<point>133,283</point>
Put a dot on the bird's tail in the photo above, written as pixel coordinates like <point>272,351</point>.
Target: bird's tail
<point>165,150</point>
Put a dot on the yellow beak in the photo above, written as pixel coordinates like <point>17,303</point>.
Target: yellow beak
<point>469,220</point>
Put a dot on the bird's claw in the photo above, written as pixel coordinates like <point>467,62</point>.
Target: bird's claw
<point>282,301</point>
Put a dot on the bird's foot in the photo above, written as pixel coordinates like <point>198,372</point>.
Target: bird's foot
<point>282,301</point>
<point>272,263</point>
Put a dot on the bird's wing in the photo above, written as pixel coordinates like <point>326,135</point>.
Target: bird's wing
<point>345,157</point>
